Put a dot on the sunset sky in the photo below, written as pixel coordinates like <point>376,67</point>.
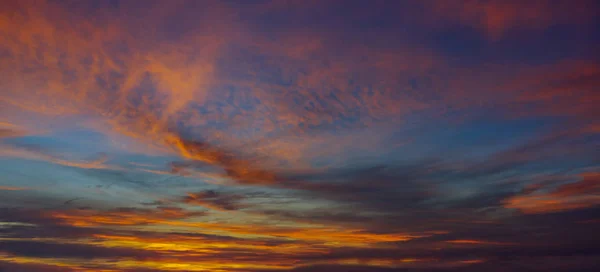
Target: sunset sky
<point>299,135</point>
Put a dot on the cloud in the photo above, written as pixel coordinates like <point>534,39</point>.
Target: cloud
<point>301,107</point>
<point>176,217</point>
<point>214,200</point>
<point>123,216</point>
<point>476,242</point>
<point>235,168</point>
<point>66,250</point>
<point>554,89</point>
<point>52,240</point>
<point>497,18</point>
<point>150,94</point>
<point>35,153</point>
<point>11,188</point>
<point>11,266</point>
<point>581,194</point>
<point>8,133</point>
<point>172,92</point>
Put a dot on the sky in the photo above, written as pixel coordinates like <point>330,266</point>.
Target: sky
<point>301,136</point>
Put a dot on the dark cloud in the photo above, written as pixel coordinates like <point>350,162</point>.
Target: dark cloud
<point>215,200</point>
<point>584,264</point>
<point>65,250</point>
<point>24,267</point>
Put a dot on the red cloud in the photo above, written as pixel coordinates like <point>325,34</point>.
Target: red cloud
<point>577,195</point>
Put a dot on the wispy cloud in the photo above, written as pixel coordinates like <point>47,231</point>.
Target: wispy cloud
<point>580,194</point>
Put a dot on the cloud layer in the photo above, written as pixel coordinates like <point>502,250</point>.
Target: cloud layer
<point>299,136</point>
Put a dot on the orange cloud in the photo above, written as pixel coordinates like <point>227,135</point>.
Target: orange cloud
<point>11,188</point>
<point>109,83</point>
<point>183,243</point>
<point>145,86</point>
<point>235,168</point>
<point>476,242</point>
<point>7,133</point>
<point>34,154</point>
<point>577,195</point>
<point>185,88</point>
<point>9,130</point>
<point>175,217</point>
<point>123,216</point>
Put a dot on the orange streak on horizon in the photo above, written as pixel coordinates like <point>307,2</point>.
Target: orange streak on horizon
<point>168,264</point>
<point>476,261</point>
<point>477,242</point>
<point>11,188</point>
<point>195,244</point>
<point>174,217</point>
